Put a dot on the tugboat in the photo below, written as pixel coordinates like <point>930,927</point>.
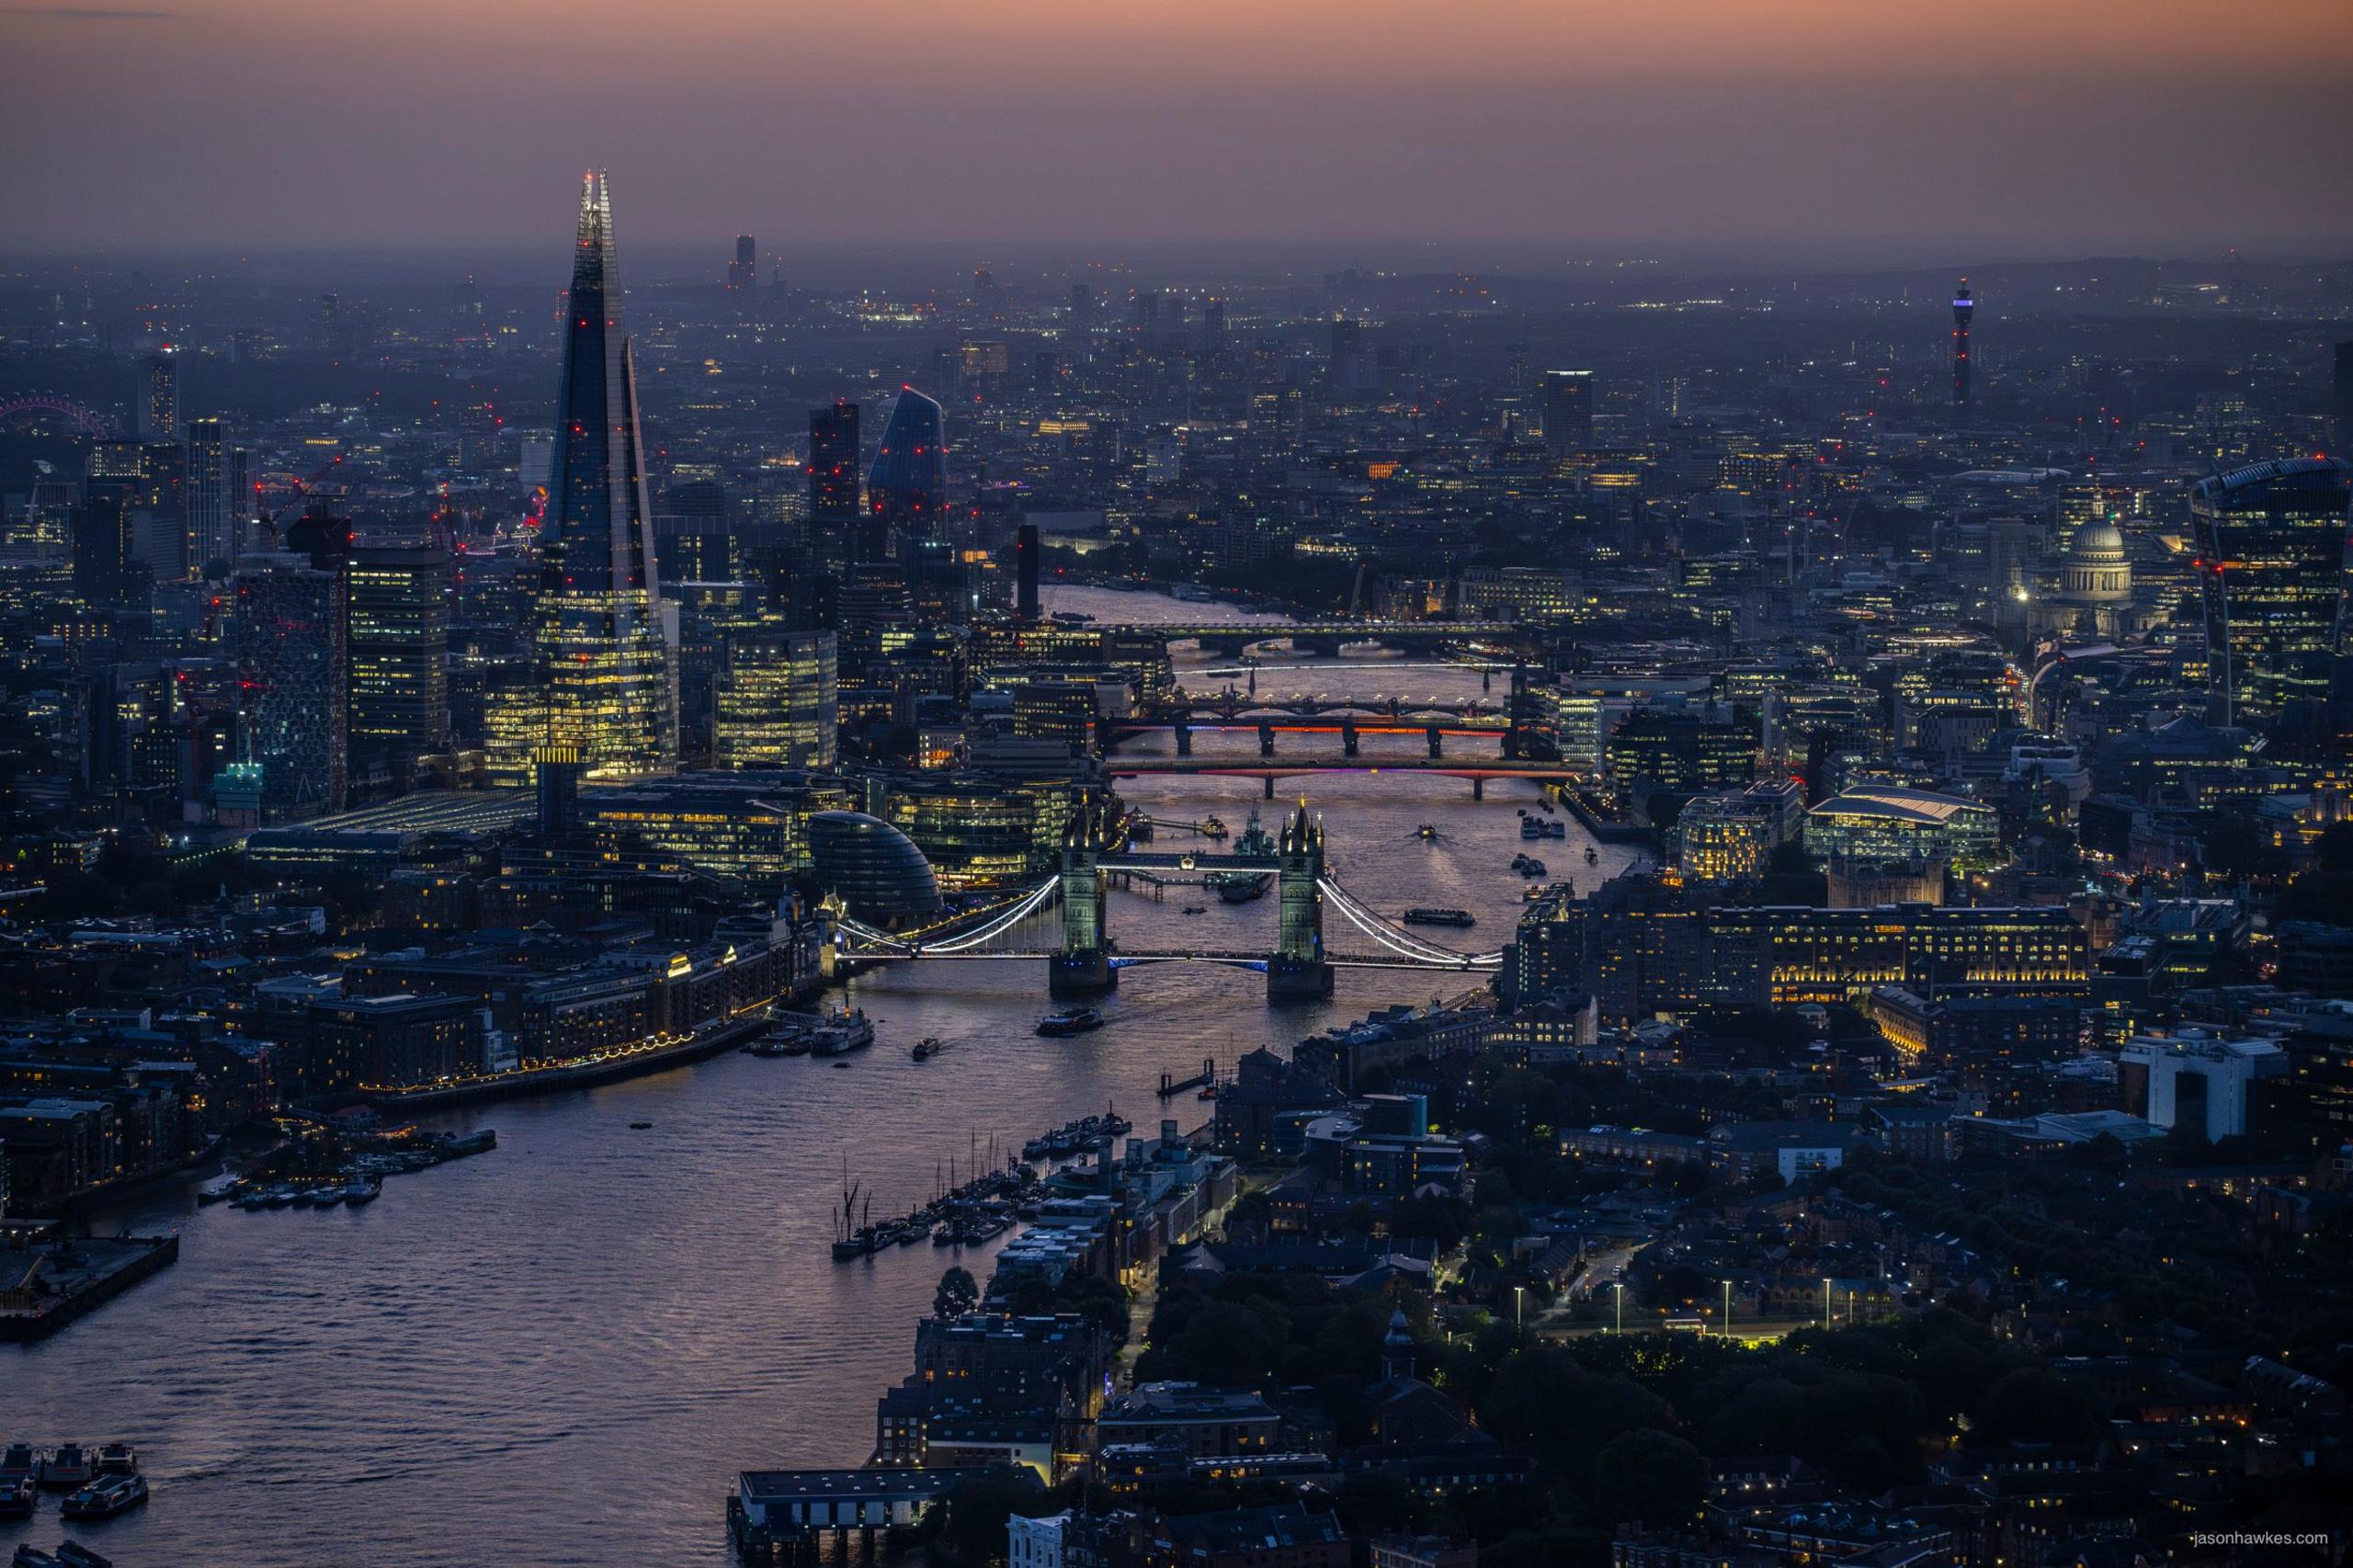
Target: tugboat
<point>843,1032</point>
<point>1070,1021</point>
<point>105,1499</point>
<point>928,1047</point>
<point>1427,832</point>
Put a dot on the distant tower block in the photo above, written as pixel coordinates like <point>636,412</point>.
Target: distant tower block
<point>1024,567</point>
<point>1964,307</point>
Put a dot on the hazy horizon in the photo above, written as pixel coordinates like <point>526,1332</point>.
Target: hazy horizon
<point>1814,128</point>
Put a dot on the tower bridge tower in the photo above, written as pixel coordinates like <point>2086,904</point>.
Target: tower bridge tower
<point>1083,966</point>
<point>1297,969</point>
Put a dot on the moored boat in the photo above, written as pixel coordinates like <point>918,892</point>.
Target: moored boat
<point>1238,887</point>
<point>73,1554</point>
<point>67,1466</point>
<point>105,1499</point>
<point>117,1459</point>
<point>843,1032</point>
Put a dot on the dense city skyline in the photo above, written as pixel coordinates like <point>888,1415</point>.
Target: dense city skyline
<point>1833,125</point>
<point>1066,791</point>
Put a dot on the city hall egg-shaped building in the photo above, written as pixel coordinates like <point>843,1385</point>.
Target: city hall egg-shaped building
<point>878,871</point>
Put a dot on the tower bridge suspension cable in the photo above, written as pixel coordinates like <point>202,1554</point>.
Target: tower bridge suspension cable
<point>1371,924</point>
<point>994,925</point>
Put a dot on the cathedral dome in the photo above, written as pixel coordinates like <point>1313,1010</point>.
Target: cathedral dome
<point>2101,541</point>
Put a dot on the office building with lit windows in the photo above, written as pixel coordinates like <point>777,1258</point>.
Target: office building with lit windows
<point>750,826</point>
<point>2275,582</point>
<point>1568,411</point>
<point>776,702</point>
<point>604,658</point>
<point>1779,956</point>
<point>1731,835</point>
<point>399,652</point>
<point>159,397</point>
<point>984,832</point>
<point>1677,750</point>
<point>1880,822</point>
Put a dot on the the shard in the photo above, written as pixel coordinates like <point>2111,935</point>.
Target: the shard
<point>603,659</point>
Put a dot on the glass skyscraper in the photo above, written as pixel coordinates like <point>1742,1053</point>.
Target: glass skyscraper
<point>777,702</point>
<point>288,637</point>
<point>835,510</point>
<point>2272,564</point>
<point>603,659</point>
<point>217,496</point>
<point>906,490</point>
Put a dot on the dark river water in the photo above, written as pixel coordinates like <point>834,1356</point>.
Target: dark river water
<point>561,1352</point>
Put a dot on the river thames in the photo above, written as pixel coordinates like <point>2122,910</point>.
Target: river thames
<point>562,1352</point>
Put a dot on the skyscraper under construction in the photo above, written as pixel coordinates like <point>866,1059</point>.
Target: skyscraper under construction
<point>604,658</point>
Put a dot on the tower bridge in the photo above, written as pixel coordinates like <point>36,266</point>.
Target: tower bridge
<point>1320,636</point>
<point>1070,909</point>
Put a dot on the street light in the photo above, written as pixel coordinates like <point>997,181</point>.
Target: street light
<point>1518,1291</point>
<point>1825,1304</point>
<point>1621,1288</point>
<point>1727,1308</point>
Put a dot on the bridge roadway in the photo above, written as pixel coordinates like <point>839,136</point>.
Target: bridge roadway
<point>1270,632</point>
<point>1240,726</point>
<point>1236,705</point>
<point>1477,770</point>
<point>1120,959</point>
